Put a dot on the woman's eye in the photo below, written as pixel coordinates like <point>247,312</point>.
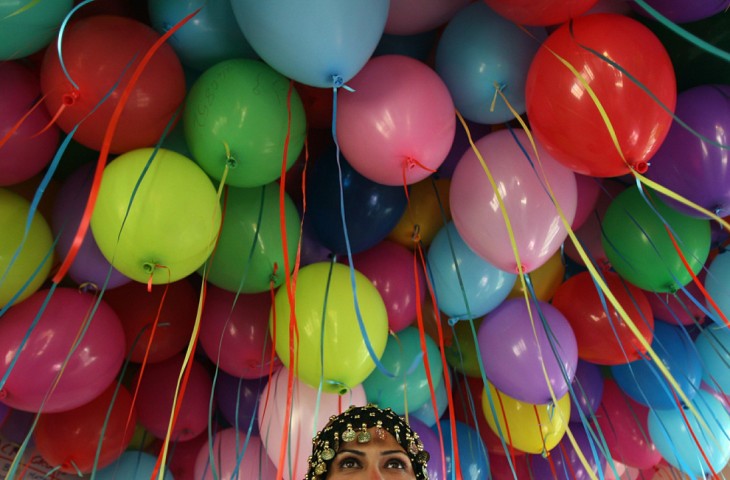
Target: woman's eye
<point>395,463</point>
<point>349,462</point>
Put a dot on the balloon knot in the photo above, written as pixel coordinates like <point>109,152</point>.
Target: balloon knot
<point>640,167</point>
<point>416,235</point>
<point>520,269</point>
<point>68,99</point>
<point>88,287</point>
<point>339,82</point>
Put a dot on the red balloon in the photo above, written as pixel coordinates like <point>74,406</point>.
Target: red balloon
<point>70,439</point>
<point>137,309</point>
<point>540,12</point>
<point>564,116</point>
<point>604,339</point>
<point>98,52</point>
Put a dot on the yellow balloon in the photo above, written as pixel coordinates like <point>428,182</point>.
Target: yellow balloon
<point>35,259</point>
<point>424,212</point>
<point>532,428</point>
<point>545,280</point>
<point>338,357</point>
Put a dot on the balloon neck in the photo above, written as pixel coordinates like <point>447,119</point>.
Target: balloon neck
<point>640,167</point>
<point>520,269</point>
<point>88,287</point>
<point>68,99</point>
<point>340,387</point>
<point>337,81</point>
<point>3,394</point>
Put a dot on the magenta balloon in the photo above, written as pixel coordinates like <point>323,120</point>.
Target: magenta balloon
<point>398,124</point>
<point>514,359</point>
<point>408,17</point>
<point>389,266</point>
<point>91,367</point>
<point>90,265</point>
<point>235,332</point>
<point>589,189</point>
<point>24,154</point>
<point>689,166</point>
<point>537,227</point>
<point>234,456</point>
<point>677,308</point>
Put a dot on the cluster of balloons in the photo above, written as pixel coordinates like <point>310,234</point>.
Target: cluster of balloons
<point>502,219</point>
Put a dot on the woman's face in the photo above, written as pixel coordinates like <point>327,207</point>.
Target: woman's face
<point>380,458</point>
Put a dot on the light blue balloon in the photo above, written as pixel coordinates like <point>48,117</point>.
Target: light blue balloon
<point>472,452</point>
<point>426,414</point>
<point>132,465</point>
<point>315,41</point>
<point>642,380</point>
<point>717,284</point>
<point>403,357</point>
<point>478,48</point>
<point>27,26</point>
<point>210,37</point>
<point>669,432</point>
<point>485,285</point>
<point>713,344</point>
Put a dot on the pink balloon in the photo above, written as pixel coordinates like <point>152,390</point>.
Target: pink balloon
<point>236,336</point>
<point>24,154</point>
<point>589,189</point>
<point>234,458</point>
<point>91,367</point>
<point>156,393</point>
<point>408,17</point>
<point>389,266</point>
<point>305,419</point>
<point>398,124</point>
<point>624,472</point>
<point>537,227</point>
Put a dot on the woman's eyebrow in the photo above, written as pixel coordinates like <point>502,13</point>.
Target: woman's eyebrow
<point>391,452</point>
<point>359,453</point>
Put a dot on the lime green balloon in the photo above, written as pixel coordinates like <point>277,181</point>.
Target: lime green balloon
<point>236,114</point>
<point>347,361</point>
<point>172,223</point>
<point>27,26</point>
<point>35,258</point>
<point>463,353</point>
<point>250,252</point>
<point>640,249</point>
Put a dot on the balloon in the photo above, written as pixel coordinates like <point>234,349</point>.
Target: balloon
<point>371,209</point>
<point>398,125</point>
<point>471,451</point>
<point>170,234</point>
<point>481,53</point>
<point>588,388</point>
<point>466,285</point>
<point>534,220</point>
<point>70,439</point>
<point>89,368</point>
<point>24,274</point>
<point>344,356</point>
<point>540,12</point>
<point>639,248</point>
<point>679,12</point>
<point>237,400</point>
<point>426,413</point>
<point>311,250</point>
<point>390,267</point>
<point>690,166</point>
<point>27,29</point>
<point>462,353</point>
<point>234,332</point>
<point>564,117</point>
<point>678,308</point>
<point>24,153</point>
<point>514,358</point>
<point>305,420</point>
<point>428,211</point>
<point>234,456</point>
<point>589,191</point>
<point>565,461</point>
<point>156,392</point>
<point>713,346</point>
<point>716,285</point>
<point>210,37</point>
<point>419,46</point>
<point>603,336</point>
<point>431,444</point>
<point>531,428</point>
<point>132,465</point>
<point>100,53</point>
<point>406,17</point>
<point>642,380</point>
<point>174,307</point>
<point>624,472</point>
<point>409,387</point>
<point>499,467</point>
<point>249,255</point>
<point>680,443</point>
<point>322,44</point>
<point>182,455</point>
<point>545,279</point>
<point>461,145</point>
<point>241,117</point>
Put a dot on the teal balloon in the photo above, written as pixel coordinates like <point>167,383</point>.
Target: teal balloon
<point>132,465</point>
<point>485,286</point>
<point>713,345</point>
<point>408,389</point>
<point>426,413</point>
<point>717,284</point>
<point>27,26</point>
<point>678,445</point>
<point>314,41</point>
<point>250,250</point>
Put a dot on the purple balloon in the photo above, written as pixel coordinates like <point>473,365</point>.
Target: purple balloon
<point>565,459</point>
<point>461,145</point>
<point>683,11</point>
<point>16,425</point>
<point>312,251</point>
<point>588,388</point>
<point>239,395</point>
<point>431,444</point>
<point>689,166</point>
<point>513,358</point>
<point>90,266</point>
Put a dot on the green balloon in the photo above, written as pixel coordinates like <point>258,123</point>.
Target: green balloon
<point>640,249</point>
<point>27,26</point>
<point>242,104</point>
<point>463,353</point>
<point>248,248</point>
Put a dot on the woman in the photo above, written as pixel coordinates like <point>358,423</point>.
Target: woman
<point>363,441</point>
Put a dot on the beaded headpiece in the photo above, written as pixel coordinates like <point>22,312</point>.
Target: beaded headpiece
<point>352,426</point>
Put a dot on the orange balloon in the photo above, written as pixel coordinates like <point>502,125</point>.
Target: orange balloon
<point>423,214</point>
<point>545,280</point>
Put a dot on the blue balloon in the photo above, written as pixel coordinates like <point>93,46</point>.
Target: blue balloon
<point>717,284</point>
<point>210,37</point>
<point>485,285</point>
<point>318,42</point>
<point>668,430</point>
<point>372,210</point>
<point>713,345</point>
<point>132,465</point>
<point>426,414</point>
<point>472,452</point>
<point>478,48</point>
<point>643,381</point>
